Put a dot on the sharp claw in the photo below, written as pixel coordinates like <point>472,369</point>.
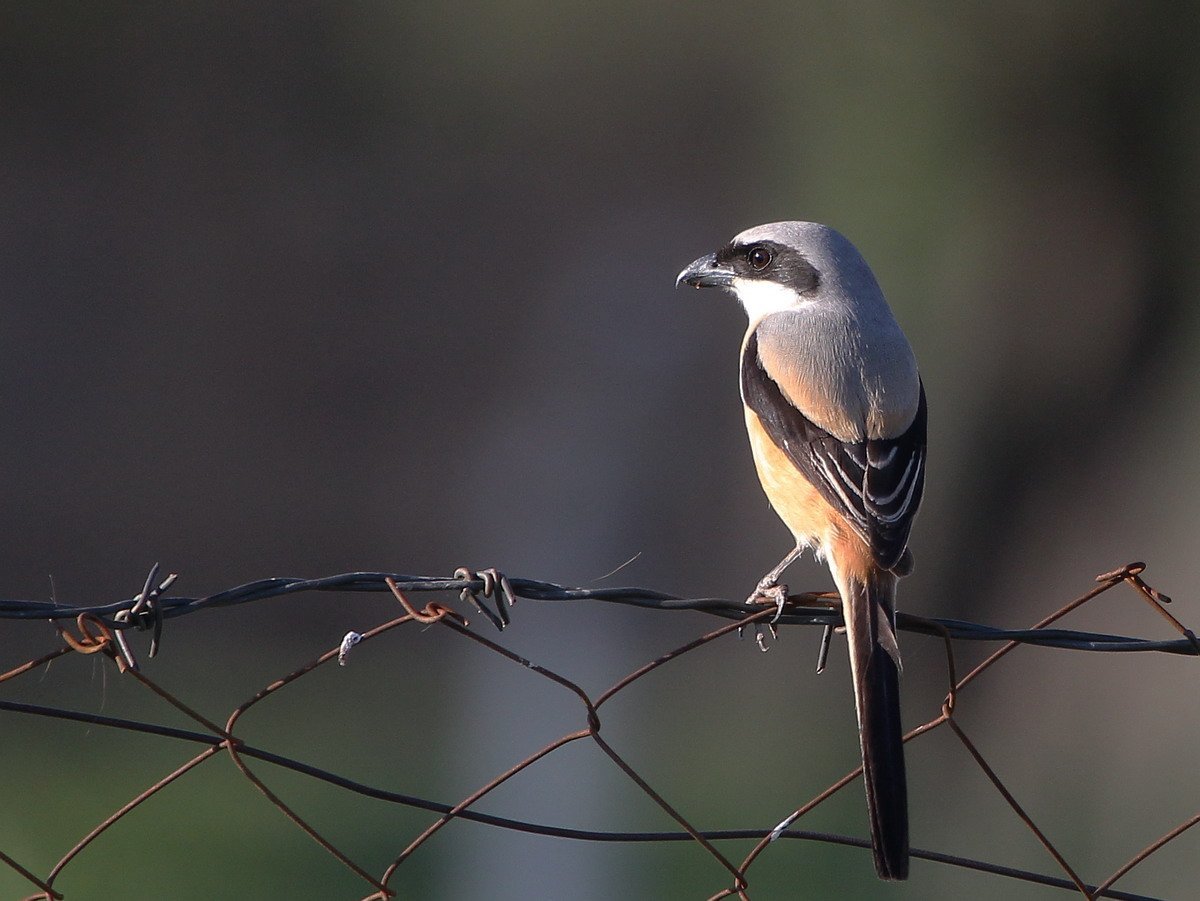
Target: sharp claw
<point>771,592</point>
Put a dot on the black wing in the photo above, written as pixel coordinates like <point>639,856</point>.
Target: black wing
<point>875,484</point>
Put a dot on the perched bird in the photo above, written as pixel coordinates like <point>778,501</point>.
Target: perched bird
<point>835,410</point>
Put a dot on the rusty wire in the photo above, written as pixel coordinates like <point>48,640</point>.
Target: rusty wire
<point>98,629</point>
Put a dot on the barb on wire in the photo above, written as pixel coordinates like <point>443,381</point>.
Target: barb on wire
<point>99,628</point>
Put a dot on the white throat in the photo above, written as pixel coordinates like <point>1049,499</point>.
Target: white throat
<point>760,298</point>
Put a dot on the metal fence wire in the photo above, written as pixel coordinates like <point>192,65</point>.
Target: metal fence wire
<point>102,629</point>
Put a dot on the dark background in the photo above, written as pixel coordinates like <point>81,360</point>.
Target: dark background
<point>322,287</point>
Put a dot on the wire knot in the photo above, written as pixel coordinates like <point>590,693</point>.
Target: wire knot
<point>145,614</point>
<point>100,641</point>
<point>431,613</point>
<point>492,579</point>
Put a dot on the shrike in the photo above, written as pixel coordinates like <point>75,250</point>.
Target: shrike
<point>836,415</point>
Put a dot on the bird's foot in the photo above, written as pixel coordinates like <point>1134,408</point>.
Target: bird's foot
<point>767,590</point>
<point>758,634</point>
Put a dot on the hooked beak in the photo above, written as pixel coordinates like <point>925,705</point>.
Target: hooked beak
<point>706,273</point>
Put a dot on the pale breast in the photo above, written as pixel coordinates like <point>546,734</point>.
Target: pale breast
<point>824,365</point>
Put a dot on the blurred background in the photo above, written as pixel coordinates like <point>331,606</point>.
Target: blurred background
<point>291,291</point>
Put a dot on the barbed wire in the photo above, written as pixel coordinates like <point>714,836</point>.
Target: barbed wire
<point>809,608</point>
<point>100,628</point>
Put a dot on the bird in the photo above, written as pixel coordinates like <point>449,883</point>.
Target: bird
<point>836,415</point>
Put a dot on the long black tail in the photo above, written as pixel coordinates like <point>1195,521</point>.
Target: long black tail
<point>868,606</point>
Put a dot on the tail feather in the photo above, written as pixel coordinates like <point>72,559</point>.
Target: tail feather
<point>868,608</point>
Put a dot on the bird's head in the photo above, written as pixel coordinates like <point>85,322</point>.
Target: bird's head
<point>784,266</point>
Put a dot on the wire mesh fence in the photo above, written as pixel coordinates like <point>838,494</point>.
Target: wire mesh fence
<point>104,629</point>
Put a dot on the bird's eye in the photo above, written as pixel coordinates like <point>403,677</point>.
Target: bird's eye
<point>759,258</point>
